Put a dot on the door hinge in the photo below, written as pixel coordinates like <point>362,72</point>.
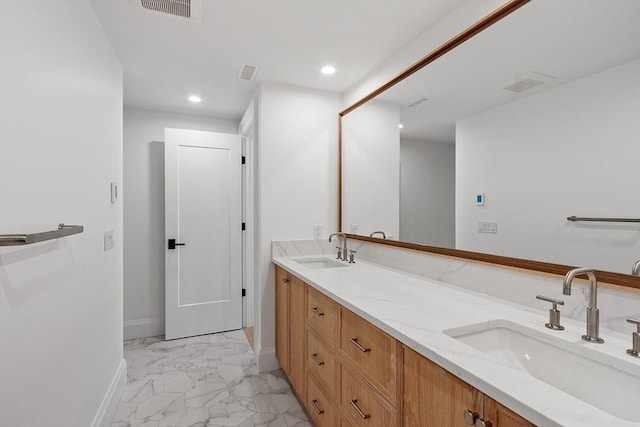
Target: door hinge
<point>244,226</point>
<point>244,292</point>
<point>244,160</point>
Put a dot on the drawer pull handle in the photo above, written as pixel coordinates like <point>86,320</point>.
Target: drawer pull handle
<point>364,416</point>
<point>315,406</point>
<point>363,349</point>
<point>470,417</point>
<point>316,312</point>
<point>285,280</point>
<point>319,362</point>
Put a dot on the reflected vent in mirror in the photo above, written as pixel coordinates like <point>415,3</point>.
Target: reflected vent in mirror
<point>528,81</point>
<point>418,101</point>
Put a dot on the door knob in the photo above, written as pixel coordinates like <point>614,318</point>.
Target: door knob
<point>173,244</point>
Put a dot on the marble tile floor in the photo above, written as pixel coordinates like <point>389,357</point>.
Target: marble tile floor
<point>204,381</point>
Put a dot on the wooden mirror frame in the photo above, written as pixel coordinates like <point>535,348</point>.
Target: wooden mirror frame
<point>620,279</point>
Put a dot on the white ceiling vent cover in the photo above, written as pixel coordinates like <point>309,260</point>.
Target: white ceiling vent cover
<point>418,101</point>
<point>182,9</point>
<point>248,72</point>
<point>528,81</point>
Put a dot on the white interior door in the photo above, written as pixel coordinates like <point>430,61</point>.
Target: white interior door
<point>203,284</point>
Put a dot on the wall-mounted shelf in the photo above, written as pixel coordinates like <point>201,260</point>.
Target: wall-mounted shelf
<point>27,239</point>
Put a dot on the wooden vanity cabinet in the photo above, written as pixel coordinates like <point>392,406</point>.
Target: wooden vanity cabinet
<point>503,416</point>
<point>290,330</point>
<point>432,397</point>
<point>349,373</point>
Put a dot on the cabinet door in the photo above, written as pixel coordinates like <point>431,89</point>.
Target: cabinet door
<point>297,334</point>
<point>502,416</point>
<point>282,318</point>
<point>433,397</point>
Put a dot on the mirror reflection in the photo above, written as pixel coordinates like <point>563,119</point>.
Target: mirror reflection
<point>491,147</point>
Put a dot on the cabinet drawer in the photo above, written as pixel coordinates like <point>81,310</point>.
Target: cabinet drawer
<point>319,405</point>
<point>361,405</point>
<point>371,350</point>
<point>322,314</point>
<point>321,361</point>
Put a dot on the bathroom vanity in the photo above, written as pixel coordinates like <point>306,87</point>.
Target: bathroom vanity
<point>367,345</point>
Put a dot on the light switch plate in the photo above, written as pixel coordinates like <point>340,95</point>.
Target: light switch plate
<point>108,240</point>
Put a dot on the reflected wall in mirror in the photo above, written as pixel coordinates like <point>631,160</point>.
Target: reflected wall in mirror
<point>540,113</point>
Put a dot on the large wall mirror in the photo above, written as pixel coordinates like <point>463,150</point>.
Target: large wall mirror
<point>492,146</point>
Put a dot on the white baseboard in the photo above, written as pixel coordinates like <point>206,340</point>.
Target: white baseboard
<point>111,399</point>
<point>143,328</point>
<point>266,359</point>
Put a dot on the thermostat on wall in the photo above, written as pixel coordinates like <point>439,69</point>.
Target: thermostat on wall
<point>480,199</point>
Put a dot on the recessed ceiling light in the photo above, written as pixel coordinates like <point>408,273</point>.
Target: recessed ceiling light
<point>328,69</point>
<point>400,126</point>
<point>195,99</point>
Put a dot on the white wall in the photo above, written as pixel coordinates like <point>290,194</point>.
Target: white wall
<point>297,144</point>
<point>61,352</point>
<point>427,193</point>
<point>144,213</point>
<point>572,150</point>
<point>371,169</point>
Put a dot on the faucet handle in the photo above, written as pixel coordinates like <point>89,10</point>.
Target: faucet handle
<point>635,349</point>
<point>635,320</point>
<point>554,313</point>
<point>339,252</point>
<point>352,257</point>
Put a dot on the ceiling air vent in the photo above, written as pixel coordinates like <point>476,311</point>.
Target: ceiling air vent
<point>248,72</point>
<point>418,101</point>
<point>184,9</point>
<point>172,7</point>
<point>528,81</point>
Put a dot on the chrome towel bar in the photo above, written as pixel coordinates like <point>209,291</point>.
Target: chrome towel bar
<point>27,239</point>
<point>576,218</point>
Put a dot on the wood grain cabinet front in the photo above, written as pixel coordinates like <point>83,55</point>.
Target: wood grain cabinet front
<point>362,405</point>
<point>319,404</point>
<point>322,362</point>
<point>291,298</point>
<point>432,397</point>
<point>322,314</point>
<point>372,351</point>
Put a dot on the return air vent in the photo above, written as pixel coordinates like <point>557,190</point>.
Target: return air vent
<point>248,72</point>
<point>528,81</point>
<point>181,9</point>
<point>418,101</point>
<point>172,7</point>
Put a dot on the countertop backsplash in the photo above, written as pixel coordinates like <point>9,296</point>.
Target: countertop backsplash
<point>515,285</point>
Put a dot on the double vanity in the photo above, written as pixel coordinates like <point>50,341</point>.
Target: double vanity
<point>367,345</point>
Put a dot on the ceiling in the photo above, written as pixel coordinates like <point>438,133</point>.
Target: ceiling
<point>554,41</point>
<point>166,58</point>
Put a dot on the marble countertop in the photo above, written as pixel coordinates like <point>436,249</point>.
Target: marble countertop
<point>416,311</point>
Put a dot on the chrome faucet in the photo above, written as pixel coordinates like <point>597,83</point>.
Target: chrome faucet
<point>384,236</point>
<point>593,317</point>
<point>344,244</point>
<point>635,271</point>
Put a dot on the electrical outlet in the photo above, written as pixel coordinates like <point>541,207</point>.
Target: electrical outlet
<point>488,227</point>
<point>317,231</point>
<point>108,240</point>
<point>354,228</point>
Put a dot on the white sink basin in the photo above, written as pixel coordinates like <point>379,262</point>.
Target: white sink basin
<point>600,380</point>
<point>320,263</point>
